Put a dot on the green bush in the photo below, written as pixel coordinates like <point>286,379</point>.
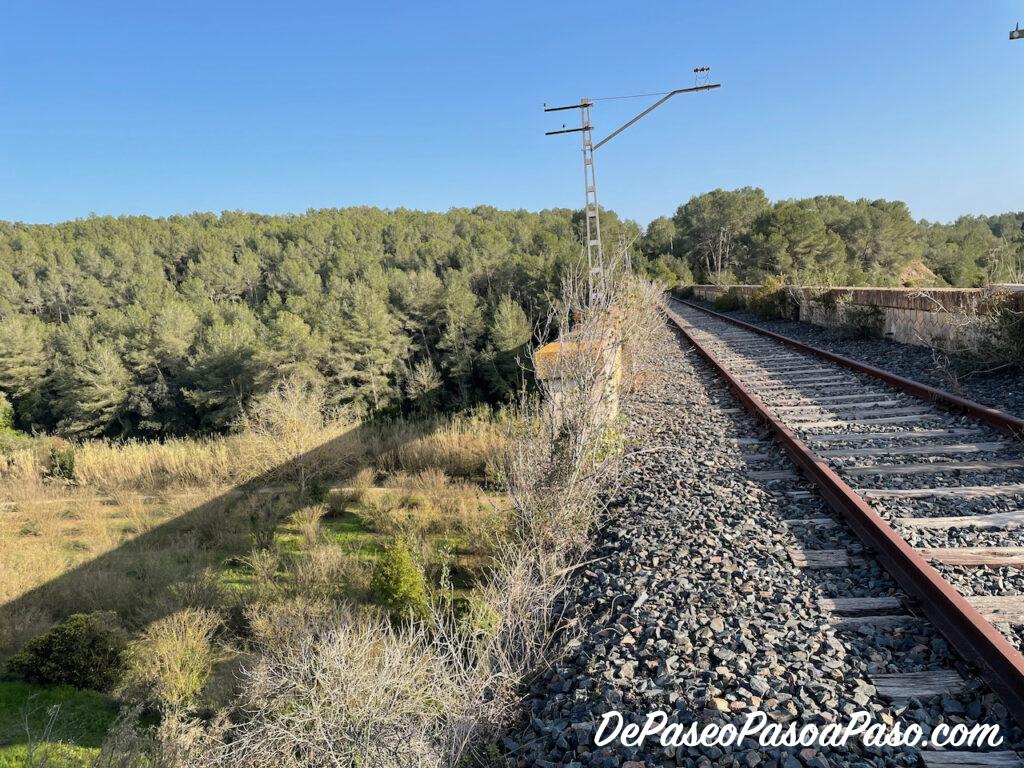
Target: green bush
<point>398,584</point>
<point>86,650</point>
<point>670,270</point>
<point>862,322</point>
<point>317,491</point>
<point>730,301</point>
<point>6,414</point>
<point>62,461</point>
<point>771,301</point>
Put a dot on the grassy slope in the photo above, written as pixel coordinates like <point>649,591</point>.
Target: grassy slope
<point>81,721</point>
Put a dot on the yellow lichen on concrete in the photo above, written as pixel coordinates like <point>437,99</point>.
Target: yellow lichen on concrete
<point>556,355</point>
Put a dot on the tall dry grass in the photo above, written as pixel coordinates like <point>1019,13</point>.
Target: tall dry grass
<point>271,449</point>
<point>143,516</point>
<point>64,551</point>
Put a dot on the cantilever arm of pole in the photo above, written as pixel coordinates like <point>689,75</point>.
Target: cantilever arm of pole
<point>654,106</point>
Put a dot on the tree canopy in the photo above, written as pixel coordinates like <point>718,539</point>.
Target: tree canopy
<point>151,327</point>
<point>728,236</point>
<point>136,326</point>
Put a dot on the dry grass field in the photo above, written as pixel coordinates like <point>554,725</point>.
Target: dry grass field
<point>222,529</point>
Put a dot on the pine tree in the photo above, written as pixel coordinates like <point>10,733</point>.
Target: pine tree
<point>367,348</point>
<point>463,329</point>
<point>92,392</point>
<point>222,371</point>
<point>293,351</point>
<point>508,340</point>
<point>423,386</point>
<point>23,366</point>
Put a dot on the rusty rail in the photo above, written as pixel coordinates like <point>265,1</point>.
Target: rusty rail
<point>975,639</point>
<point>1001,420</point>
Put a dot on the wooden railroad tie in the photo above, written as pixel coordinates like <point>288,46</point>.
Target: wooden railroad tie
<point>1010,557</point>
<point>934,468</point>
<point>819,558</point>
<point>994,521</point>
<point>855,422</point>
<point>921,450</point>
<point>862,437</point>
<point>902,686</point>
<point>954,492</point>
<point>1006,609</point>
<point>957,759</point>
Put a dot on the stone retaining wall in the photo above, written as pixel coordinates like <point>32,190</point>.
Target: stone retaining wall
<point>919,316</point>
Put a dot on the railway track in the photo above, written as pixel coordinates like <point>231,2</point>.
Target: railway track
<point>932,484</point>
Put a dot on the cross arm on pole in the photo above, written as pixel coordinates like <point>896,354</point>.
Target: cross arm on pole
<point>582,105</point>
<point>654,106</point>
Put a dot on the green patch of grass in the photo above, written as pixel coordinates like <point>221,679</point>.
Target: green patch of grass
<point>352,531</point>
<point>51,754</point>
<point>288,541</point>
<point>235,578</point>
<point>66,725</point>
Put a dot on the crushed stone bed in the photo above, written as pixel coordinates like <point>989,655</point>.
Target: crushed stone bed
<point>695,608</point>
<point>1003,389</point>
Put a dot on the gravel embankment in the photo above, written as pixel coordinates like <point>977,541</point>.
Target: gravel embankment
<point>694,607</point>
<point>1003,389</point>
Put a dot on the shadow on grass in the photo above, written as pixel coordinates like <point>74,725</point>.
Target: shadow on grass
<point>66,725</point>
<point>161,570</point>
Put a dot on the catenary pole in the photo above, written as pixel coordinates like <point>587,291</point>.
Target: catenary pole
<point>596,277</point>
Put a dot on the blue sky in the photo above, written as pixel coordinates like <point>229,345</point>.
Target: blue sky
<point>171,107</point>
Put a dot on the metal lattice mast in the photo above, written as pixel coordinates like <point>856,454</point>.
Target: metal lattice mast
<point>591,210</point>
<point>596,277</point>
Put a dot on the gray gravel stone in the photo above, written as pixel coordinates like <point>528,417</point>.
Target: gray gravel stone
<point>727,624</point>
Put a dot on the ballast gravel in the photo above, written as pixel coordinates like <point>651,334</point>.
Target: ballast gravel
<point>1003,389</point>
<point>690,604</point>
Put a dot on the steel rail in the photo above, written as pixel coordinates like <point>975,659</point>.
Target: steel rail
<point>975,639</point>
<point>1001,420</point>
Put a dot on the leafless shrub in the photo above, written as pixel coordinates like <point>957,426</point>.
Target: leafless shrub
<point>286,426</point>
<point>641,308</point>
<point>264,566</point>
<point>986,335</point>
<point>327,571</point>
<point>386,513</point>
<point>171,662</point>
<point>553,460</point>
<point>432,482</point>
<point>515,624</point>
<point>307,521</point>
<point>353,493</point>
<point>362,481</point>
<point>260,510</point>
<point>178,741</point>
<point>358,692</point>
<point>202,590</point>
<point>276,627</point>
